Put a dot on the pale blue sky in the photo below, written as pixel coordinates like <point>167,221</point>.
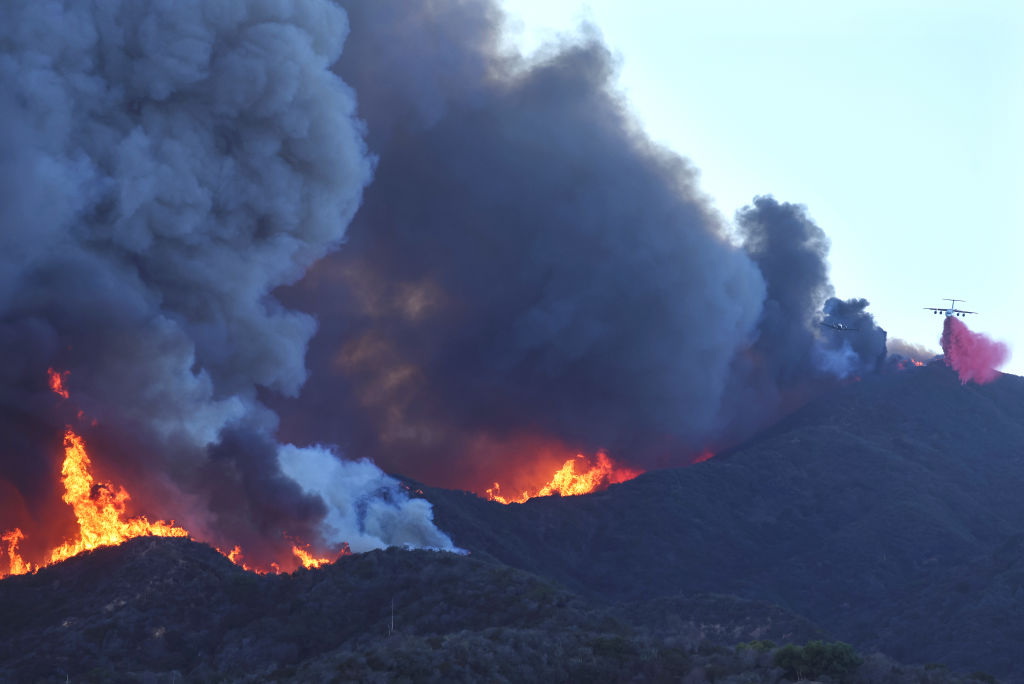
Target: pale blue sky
<point>898,124</point>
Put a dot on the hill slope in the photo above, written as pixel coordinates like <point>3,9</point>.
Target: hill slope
<point>886,512</point>
<point>857,511</point>
<point>158,609</point>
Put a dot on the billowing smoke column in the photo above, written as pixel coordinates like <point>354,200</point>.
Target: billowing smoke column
<point>972,355</point>
<point>791,253</point>
<point>529,270</point>
<point>862,346</point>
<point>164,166</point>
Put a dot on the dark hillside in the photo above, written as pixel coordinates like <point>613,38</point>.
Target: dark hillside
<point>887,513</point>
<point>170,609</point>
<point>853,511</point>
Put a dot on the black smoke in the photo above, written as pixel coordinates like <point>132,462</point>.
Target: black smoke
<point>528,264</point>
<point>864,343</point>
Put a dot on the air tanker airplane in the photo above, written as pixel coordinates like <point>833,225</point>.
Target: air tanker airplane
<point>951,310</point>
<point>840,326</point>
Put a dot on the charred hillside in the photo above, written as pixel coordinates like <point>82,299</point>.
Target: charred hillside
<point>888,512</point>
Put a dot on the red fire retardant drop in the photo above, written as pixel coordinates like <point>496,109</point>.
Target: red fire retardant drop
<point>972,355</point>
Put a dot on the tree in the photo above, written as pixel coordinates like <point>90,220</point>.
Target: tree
<point>817,658</point>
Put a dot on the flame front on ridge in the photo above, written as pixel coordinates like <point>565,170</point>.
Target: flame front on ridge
<point>100,512</point>
<point>568,482</point>
<point>99,508</point>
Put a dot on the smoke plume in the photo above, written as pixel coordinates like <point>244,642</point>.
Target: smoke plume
<point>863,344</point>
<point>164,166</point>
<point>527,275</point>
<point>972,355</point>
<point>901,350</point>
<point>529,271</point>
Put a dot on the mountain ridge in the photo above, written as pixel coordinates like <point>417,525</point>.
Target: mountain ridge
<point>160,609</point>
<point>882,514</point>
<point>845,512</point>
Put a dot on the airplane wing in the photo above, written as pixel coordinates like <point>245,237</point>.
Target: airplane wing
<point>962,311</point>
<point>935,308</point>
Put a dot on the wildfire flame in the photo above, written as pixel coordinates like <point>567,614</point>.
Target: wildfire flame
<point>706,455</point>
<point>567,482</point>
<point>100,511</point>
<point>310,561</point>
<point>57,382</point>
<point>98,508</point>
<point>17,565</point>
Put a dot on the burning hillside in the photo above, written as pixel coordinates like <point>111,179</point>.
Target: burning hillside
<point>576,477</point>
<point>100,512</point>
<point>164,168</point>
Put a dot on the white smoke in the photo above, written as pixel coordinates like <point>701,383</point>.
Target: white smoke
<point>839,361</point>
<point>366,508</point>
<point>165,165</point>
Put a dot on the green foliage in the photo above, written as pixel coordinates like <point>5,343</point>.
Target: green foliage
<point>817,658</point>
<point>757,645</point>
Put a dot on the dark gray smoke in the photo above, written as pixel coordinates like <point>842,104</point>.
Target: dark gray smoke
<point>898,351</point>
<point>527,264</point>
<point>861,348</point>
<point>164,166</point>
<point>790,251</point>
<point>527,271</point>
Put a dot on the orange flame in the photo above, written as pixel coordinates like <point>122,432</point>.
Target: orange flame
<point>916,362</point>
<point>567,482</point>
<point>236,556</point>
<point>57,382</point>
<point>307,559</point>
<point>99,509</point>
<point>310,561</point>
<point>17,565</point>
<point>706,455</point>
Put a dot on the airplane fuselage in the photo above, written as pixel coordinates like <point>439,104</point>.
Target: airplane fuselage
<point>950,311</point>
